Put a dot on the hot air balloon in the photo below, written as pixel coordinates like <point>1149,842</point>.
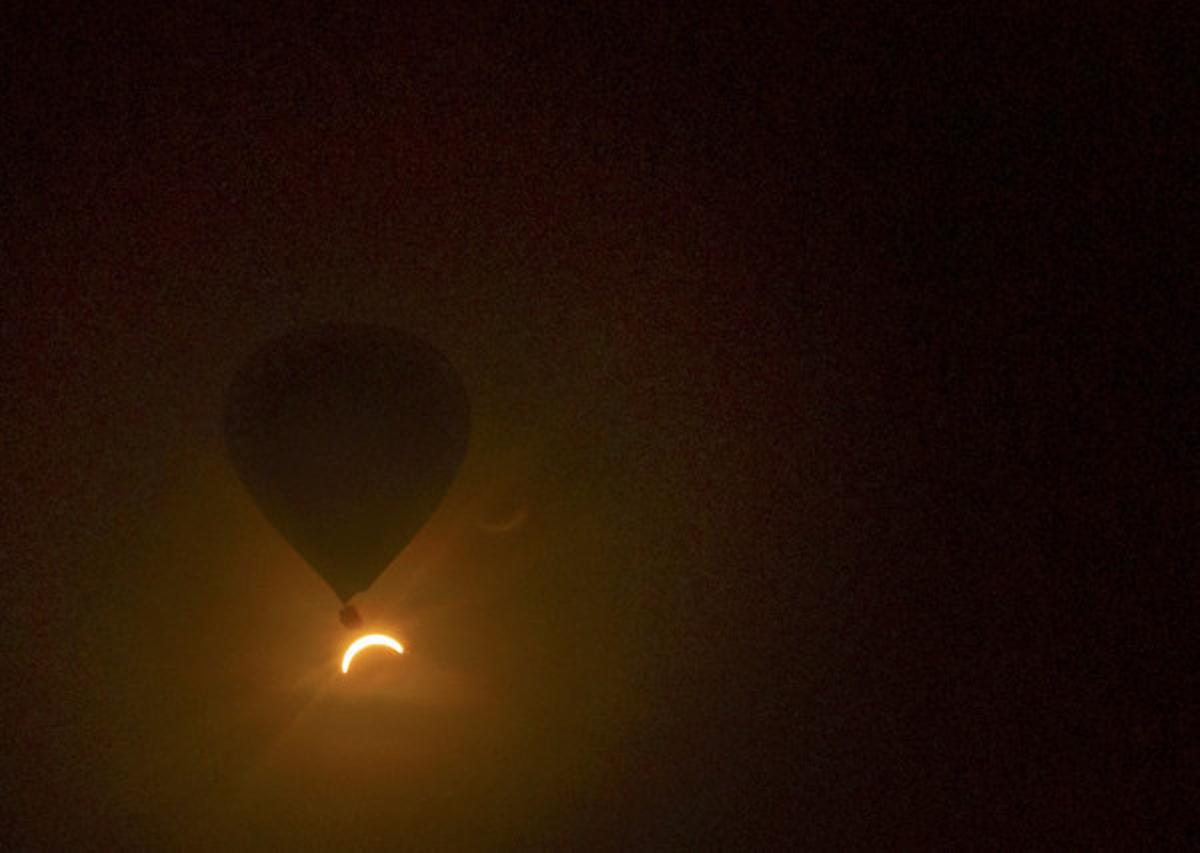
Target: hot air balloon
<point>347,436</point>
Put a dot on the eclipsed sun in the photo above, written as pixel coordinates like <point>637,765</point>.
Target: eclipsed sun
<point>366,642</point>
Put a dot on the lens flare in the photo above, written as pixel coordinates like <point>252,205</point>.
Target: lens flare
<point>367,641</point>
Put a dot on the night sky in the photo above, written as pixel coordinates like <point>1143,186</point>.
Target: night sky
<point>835,362</point>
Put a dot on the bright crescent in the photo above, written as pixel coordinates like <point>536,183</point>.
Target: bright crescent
<point>364,642</point>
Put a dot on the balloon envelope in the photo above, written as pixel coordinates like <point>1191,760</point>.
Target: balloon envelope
<point>347,437</point>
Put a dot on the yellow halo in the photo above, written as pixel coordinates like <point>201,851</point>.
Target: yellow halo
<point>364,642</point>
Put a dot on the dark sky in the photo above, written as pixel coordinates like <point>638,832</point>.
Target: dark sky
<point>835,356</point>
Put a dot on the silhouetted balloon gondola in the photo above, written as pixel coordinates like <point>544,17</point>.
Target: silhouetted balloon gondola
<point>347,436</point>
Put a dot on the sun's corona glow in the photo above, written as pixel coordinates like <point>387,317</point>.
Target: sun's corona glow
<point>366,642</point>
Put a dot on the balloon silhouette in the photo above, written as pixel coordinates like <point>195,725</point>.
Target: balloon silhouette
<point>347,437</point>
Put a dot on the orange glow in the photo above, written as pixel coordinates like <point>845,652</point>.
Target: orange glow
<point>367,641</point>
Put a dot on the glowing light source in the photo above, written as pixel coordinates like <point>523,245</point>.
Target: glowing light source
<point>367,641</point>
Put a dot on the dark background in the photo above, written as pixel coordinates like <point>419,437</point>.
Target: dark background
<point>837,356</point>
